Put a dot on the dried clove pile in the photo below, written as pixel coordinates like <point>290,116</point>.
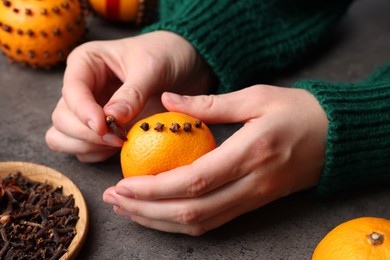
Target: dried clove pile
<point>37,221</point>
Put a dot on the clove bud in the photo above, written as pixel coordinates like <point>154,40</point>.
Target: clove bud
<point>145,126</point>
<point>175,127</point>
<point>110,121</point>
<point>187,127</point>
<point>159,127</point>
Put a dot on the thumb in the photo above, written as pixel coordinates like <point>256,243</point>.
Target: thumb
<point>224,108</point>
<point>126,103</point>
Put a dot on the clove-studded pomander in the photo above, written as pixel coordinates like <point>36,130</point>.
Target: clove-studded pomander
<point>40,33</point>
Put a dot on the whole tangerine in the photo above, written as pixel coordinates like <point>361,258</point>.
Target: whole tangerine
<point>40,33</point>
<point>136,11</point>
<point>163,142</point>
<point>124,11</point>
<point>360,238</point>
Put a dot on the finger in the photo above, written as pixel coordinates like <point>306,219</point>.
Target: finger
<point>187,181</point>
<point>65,122</point>
<point>68,124</point>
<point>132,97</point>
<point>194,229</point>
<point>140,84</point>
<point>125,104</point>
<point>162,225</point>
<point>189,211</point>
<point>84,70</point>
<point>224,108</point>
<point>59,142</point>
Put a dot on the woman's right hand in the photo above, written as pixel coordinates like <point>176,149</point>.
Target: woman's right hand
<point>121,78</point>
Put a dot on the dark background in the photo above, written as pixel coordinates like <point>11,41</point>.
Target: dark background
<point>286,229</point>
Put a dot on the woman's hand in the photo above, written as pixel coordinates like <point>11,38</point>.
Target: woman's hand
<point>120,78</point>
<point>279,150</point>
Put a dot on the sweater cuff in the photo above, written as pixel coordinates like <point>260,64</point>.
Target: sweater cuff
<point>358,141</point>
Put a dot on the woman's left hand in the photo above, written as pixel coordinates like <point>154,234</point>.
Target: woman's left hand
<point>279,150</point>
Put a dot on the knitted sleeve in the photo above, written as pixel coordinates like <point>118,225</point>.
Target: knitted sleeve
<point>245,39</point>
<point>358,141</point>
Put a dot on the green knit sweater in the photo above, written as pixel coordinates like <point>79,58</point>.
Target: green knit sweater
<point>243,40</point>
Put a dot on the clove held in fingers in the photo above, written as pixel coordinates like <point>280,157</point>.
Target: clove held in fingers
<point>110,121</point>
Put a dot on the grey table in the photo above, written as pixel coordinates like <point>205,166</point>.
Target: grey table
<point>286,229</point>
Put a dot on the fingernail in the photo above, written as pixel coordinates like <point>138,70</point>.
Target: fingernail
<point>110,199</point>
<point>112,140</point>
<point>175,98</point>
<point>118,109</point>
<point>92,125</point>
<point>123,191</point>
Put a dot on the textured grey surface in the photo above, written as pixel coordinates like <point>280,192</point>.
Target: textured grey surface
<point>287,229</point>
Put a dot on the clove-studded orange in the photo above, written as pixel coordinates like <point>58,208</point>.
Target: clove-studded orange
<point>40,33</point>
<point>136,11</point>
<point>163,142</point>
<point>360,238</point>
<point>125,11</point>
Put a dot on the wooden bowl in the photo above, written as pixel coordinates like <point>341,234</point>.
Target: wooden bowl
<point>40,173</point>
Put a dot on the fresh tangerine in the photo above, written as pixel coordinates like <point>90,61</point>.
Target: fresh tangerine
<point>136,11</point>
<point>360,238</point>
<point>163,142</point>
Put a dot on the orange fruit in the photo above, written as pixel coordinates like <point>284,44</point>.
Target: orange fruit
<point>40,33</point>
<point>360,238</point>
<point>136,11</point>
<point>116,10</point>
<point>163,142</point>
